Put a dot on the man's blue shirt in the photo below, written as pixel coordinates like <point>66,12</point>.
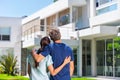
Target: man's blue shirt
<point>59,51</point>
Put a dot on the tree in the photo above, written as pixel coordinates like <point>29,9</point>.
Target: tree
<point>8,63</point>
<point>55,0</point>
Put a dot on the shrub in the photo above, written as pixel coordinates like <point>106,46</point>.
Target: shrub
<point>8,63</point>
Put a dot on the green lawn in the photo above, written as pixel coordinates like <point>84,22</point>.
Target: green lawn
<point>6,77</point>
<point>82,79</point>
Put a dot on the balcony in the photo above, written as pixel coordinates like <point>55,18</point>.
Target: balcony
<point>32,36</point>
<point>67,31</point>
<point>107,14</point>
<point>98,31</point>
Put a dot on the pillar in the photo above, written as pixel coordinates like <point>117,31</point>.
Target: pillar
<point>93,58</point>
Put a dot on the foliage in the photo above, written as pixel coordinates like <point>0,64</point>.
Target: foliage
<point>1,70</point>
<point>116,44</point>
<point>54,0</point>
<point>8,62</point>
<point>6,77</point>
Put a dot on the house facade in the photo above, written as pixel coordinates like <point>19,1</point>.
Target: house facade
<point>10,37</point>
<point>37,25</point>
<point>99,53</point>
<point>91,27</point>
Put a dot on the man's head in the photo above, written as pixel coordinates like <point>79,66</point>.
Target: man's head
<point>55,34</point>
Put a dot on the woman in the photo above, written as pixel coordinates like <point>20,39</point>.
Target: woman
<point>38,71</point>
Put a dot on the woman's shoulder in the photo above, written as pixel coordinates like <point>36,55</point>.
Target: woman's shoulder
<point>48,56</point>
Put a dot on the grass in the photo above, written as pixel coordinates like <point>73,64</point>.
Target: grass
<point>82,79</point>
<point>6,77</point>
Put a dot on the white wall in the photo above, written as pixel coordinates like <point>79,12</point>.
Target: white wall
<point>15,36</point>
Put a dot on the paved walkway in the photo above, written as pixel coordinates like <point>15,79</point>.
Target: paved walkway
<point>106,78</point>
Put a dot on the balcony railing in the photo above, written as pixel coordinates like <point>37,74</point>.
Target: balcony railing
<point>35,31</point>
<point>106,6</point>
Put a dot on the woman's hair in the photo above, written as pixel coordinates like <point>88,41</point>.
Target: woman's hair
<point>44,41</point>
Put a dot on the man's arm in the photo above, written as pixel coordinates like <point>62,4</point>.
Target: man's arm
<point>71,68</point>
<point>37,57</point>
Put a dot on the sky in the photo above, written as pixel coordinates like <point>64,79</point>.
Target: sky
<point>19,8</point>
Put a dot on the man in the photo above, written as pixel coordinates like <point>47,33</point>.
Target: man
<point>59,51</point>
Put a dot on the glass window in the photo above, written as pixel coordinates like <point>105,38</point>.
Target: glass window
<point>101,2</point>
<point>64,19</point>
<point>5,33</point>
<point>41,28</point>
<point>5,30</point>
<point>5,37</point>
<point>0,37</point>
<point>107,9</point>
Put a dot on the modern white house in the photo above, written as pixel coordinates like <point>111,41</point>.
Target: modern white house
<point>90,26</point>
<point>10,37</point>
<point>57,15</point>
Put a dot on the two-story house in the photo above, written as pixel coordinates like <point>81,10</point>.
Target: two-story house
<point>90,26</point>
<point>60,14</point>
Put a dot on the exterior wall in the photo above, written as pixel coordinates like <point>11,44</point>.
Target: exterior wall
<point>15,36</point>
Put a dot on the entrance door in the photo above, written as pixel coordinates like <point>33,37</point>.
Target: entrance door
<point>86,58</point>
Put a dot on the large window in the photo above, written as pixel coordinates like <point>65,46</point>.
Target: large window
<point>107,9</point>
<point>42,25</point>
<point>64,17</point>
<point>108,57</point>
<point>101,2</point>
<point>64,20</point>
<point>5,33</point>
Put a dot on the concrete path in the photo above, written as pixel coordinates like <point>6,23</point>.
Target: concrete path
<point>106,78</point>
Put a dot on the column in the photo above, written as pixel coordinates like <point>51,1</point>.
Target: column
<point>71,14</point>
<point>92,9</point>
<point>79,58</point>
<point>93,58</point>
<point>45,26</point>
<point>57,20</point>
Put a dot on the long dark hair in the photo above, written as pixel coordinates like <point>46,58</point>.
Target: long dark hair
<point>44,41</point>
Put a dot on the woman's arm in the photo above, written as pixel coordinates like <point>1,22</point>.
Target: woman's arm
<point>37,57</point>
<point>55,71</point>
